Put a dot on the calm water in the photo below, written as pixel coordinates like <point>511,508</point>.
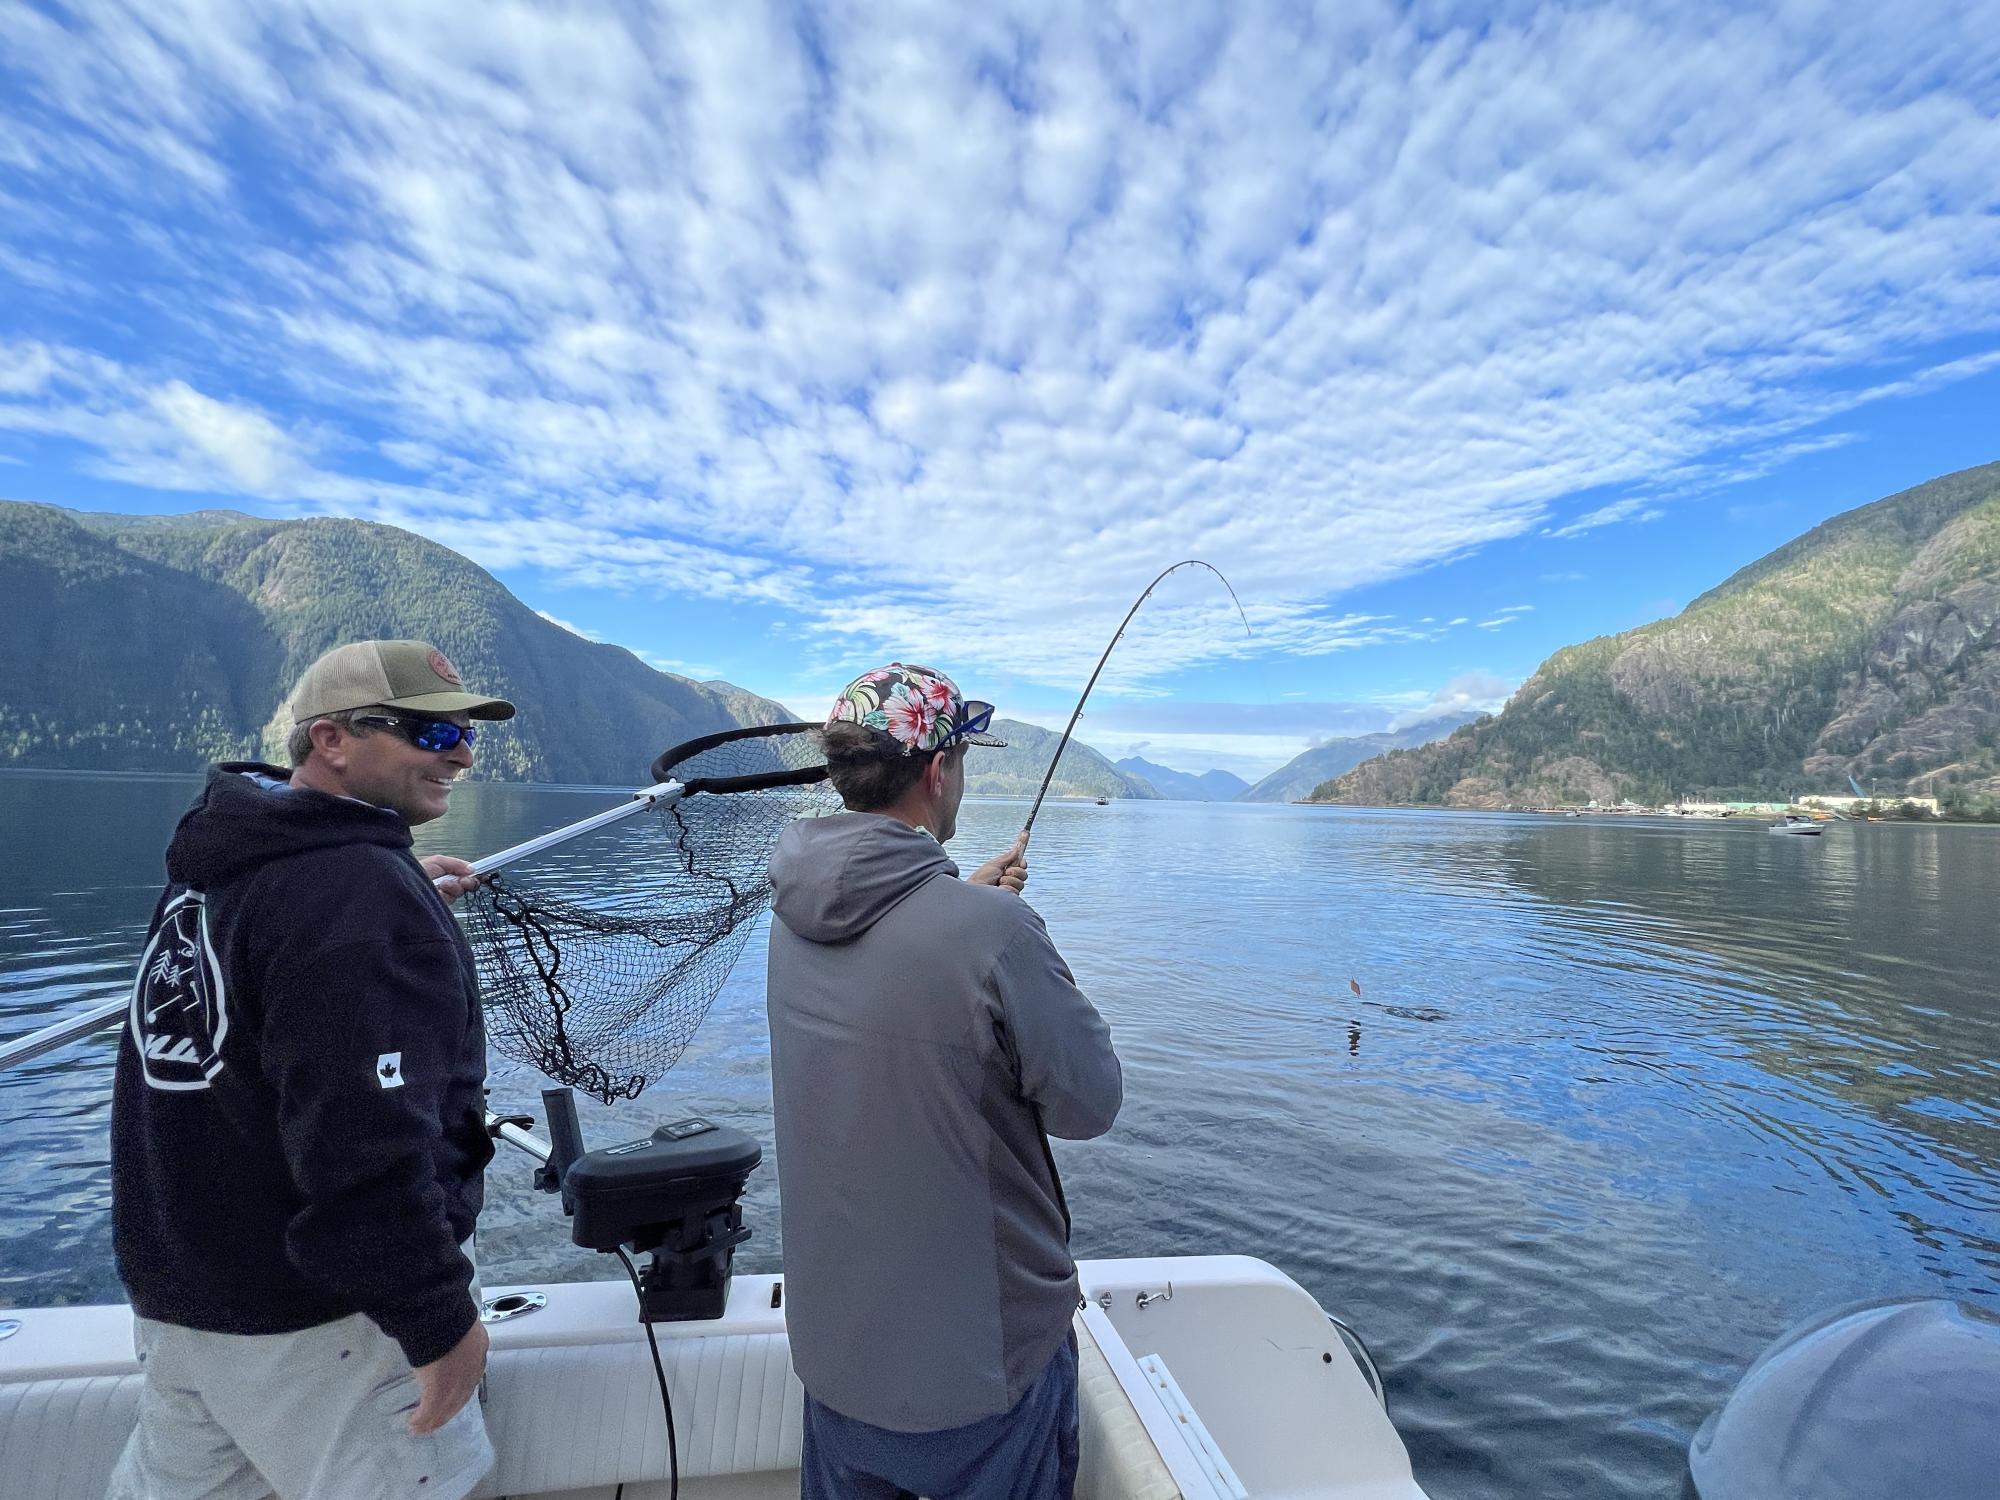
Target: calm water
<point>1618,1102</point>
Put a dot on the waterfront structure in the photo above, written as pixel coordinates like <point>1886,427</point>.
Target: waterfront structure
<point>1870,804</point>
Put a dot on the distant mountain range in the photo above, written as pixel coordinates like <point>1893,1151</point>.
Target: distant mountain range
<point>1018,770</point>
<point>167,642</point>
<point>1295,780</point>
<point>1181,786</point>
<point>141,643</point>
<point>1868,647</point>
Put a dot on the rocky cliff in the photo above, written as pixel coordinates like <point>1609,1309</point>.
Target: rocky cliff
<point>1868,647</point>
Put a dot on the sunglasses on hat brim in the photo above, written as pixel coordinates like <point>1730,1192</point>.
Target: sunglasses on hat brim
<point>977,716</point>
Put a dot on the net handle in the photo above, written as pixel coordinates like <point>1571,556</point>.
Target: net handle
<point>666,794</point>
<point>666,791</point>
<point>663,793</point>
<point>84,1022</point>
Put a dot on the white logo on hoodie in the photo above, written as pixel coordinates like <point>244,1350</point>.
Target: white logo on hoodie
<point>179,1012</point>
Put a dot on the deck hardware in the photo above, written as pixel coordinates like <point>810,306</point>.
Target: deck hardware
<point>513,1305</point>
<point>1104,1300</point>
<point>9,1327</point>
<point>1147,1299</point>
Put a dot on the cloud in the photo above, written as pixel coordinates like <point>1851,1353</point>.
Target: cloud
<point>1571,577</point>
<point>1497,621</point>
<point>699,671</point>
<point>249,448</point>
<point>1478,692</point>
<point>1151,720</point>
<point>576,630</point>
<point>1636,509</point>
<point>901,322</point>
<point>1514,609</point>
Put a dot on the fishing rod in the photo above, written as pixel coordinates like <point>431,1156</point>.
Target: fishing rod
<point>1193,562</point>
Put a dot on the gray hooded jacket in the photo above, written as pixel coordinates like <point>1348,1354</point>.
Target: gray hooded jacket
<point>919,1027</point>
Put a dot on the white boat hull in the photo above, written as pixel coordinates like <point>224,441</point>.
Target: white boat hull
<point>1236,1379</point>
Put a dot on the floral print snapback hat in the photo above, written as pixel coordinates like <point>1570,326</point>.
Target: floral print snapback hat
<point>921,710</point>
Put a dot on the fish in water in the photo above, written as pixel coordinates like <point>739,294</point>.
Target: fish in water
<point>1407,1012</point>
<point>1414,1012</point>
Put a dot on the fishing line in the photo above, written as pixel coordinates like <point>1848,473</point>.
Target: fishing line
<point>1061,745</point>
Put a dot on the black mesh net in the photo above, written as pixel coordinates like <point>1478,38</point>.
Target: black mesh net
<point>600,980</point>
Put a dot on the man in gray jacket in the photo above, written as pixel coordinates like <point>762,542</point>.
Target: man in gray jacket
<point>926,1039</point>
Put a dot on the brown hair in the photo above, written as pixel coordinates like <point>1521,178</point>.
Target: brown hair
<point>299,743</point>
<point>868,769</point>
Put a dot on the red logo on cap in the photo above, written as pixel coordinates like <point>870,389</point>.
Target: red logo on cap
<point>441,664</point>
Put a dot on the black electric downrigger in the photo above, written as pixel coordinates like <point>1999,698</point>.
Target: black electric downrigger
<point>674,1196</point>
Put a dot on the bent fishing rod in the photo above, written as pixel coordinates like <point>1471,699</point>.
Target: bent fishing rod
<point>1028,827</point>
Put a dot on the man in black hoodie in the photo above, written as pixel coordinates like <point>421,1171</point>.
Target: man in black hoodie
<point>298,1135</point>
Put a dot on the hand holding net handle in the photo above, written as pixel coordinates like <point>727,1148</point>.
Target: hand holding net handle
<point>665,792</point>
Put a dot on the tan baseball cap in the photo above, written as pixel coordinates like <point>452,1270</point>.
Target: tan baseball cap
<point>411,675</point>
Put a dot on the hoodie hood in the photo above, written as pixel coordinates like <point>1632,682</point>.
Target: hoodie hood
<point>834,878</point>
<point>239,822</point>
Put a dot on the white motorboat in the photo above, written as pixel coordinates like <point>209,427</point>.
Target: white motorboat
<point>1208,1377</point>
<point>1795,824</point>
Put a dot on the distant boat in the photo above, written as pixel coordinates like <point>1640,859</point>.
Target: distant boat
<point>1103,801</point>
<point>1795,824</point>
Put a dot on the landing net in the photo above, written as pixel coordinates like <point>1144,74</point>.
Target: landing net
<point>599,968</point>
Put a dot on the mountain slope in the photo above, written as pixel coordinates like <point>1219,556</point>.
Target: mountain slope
<point>1017,770</point>
<point>1294,781</point>
<point>161,643</point>
<point>1870,646</point>
<point>1184,786</point>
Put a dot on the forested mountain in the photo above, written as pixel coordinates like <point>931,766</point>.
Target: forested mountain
<point>1017,770</point>
<point>1295,780</point>
<point>162,643</point>
<point>1185,786</point>
<point>1868,647</point>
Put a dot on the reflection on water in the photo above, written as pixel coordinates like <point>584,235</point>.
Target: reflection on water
<point>1571,1117</point>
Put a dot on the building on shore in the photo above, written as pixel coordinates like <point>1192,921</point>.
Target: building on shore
<point>1928,805</point>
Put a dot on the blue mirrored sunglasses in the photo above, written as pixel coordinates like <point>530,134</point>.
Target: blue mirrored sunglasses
<point>435,735</point>
<point>977,716</point>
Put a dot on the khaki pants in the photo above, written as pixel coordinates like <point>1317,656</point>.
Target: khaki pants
<point>321,1414</point>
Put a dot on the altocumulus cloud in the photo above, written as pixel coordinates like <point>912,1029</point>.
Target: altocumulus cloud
<point>905,320</point>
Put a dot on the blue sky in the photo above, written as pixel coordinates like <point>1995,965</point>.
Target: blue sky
<point>771,342</point>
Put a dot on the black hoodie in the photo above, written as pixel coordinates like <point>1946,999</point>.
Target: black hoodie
<point>297,1130</point>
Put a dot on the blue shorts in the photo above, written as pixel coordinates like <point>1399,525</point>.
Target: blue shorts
<point>1028,1453</point>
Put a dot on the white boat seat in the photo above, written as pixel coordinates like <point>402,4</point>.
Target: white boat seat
<point>563,1417</point>
<point>59,1438</point>
<point>580,1417</point>
<point>1118,1460</point>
